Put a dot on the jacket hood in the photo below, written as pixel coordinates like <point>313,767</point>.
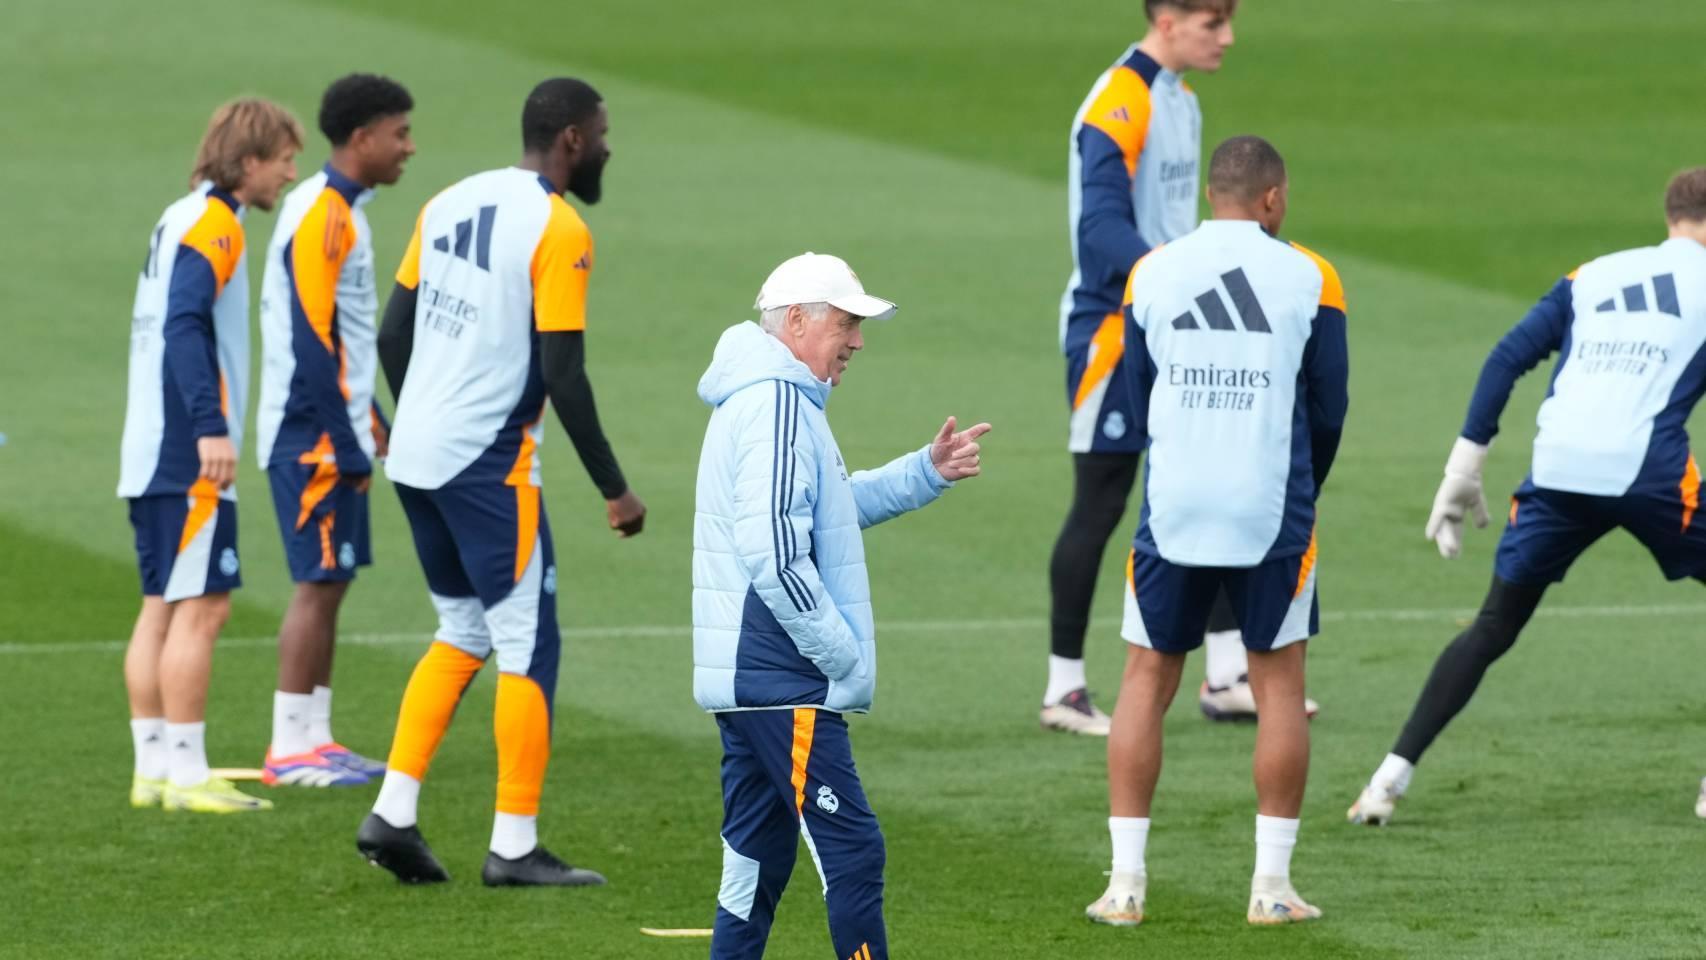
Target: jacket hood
<point>746,355</point>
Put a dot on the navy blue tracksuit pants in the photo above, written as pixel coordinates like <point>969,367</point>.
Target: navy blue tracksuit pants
<point>789,774</point>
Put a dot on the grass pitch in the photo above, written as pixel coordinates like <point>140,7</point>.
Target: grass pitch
<point>1451,158</point>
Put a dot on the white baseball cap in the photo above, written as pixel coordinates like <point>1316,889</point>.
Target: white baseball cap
<point>821,278</point>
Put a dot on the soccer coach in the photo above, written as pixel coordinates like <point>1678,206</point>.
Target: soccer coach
<point>783,635</point>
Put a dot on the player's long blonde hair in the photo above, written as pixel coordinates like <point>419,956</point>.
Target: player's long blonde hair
<point>246,127</point>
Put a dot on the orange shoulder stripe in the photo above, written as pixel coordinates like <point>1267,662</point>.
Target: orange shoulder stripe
<point>218,236</point>
<point>561,267</point>
<point>1332,289</point>
<point>1121,110</point>
<point>317,251</point>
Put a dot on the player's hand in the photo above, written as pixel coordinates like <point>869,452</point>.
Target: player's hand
<point>627,515</point>
<point>360,481</point>
<point>1459,496</point>
<point>218,460</point>
<point>955,455</point>
<point>381,440</point>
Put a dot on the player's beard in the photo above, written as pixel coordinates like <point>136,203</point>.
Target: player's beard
<point>586,179</point>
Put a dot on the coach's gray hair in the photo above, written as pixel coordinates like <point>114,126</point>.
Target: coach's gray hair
<point>771,319</point>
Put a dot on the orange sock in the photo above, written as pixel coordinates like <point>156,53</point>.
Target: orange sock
<point>435,688</point>
<point>522,726</point>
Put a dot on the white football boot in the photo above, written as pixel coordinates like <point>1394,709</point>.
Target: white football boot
<point>1273,902</point>
<point>1375,806</point>
<point>1237,702</point>
<point>1122,903</point>
<point>1074,713</point>
<point>1700,804</point>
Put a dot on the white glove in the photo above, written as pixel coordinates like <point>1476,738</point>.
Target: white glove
<point>1459,494</point>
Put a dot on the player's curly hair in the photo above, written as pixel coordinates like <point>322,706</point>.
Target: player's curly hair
<point>1226,8</point>
<point>248,127</point>
<point>554,106</point>
<point>354,101</point>
<point>1685,198</point>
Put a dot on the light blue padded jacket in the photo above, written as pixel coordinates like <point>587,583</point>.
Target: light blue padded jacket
<point>781,600</point>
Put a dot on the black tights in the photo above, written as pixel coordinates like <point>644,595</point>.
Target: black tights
<point>1463,663</point>
<point>1101,485</point>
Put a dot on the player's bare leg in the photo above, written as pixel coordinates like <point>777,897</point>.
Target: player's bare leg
<point>1281,768</point>
<point>147,713</point>
<point>305,636</point>
<point>186,665</point>
<point>299,755</point>
<point>1134,766</point>
<point>186,662</point>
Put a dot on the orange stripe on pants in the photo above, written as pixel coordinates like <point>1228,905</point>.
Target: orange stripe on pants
<point>429,701</point>
<point>205,503</point>
<point>522,726</point>
<point>328,558</point>
<point>526,527</point>
<point>1306,568</point>
<point>319,485</point>
<point>1106,349</point>
<point>805,721</point>
<point>1690,492</point>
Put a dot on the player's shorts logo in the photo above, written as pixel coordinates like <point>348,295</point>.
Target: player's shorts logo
<point>228,561</point>
<point>827,801</point>
<point>550,585</point>
<point>1114,426</point>
<point>346,555</point>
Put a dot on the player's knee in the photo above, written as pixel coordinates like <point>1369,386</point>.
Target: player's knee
<point>204,614</point>
<point>1095,512</point>
<point>1500,620</point>
<point>1486,640</point>
<point>321,598</point>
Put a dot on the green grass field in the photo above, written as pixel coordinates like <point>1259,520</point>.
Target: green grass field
<point>1453,158</point>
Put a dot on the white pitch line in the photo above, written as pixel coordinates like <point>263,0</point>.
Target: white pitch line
<point>1444,615</point>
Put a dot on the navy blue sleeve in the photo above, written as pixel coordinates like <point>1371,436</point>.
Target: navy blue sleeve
<point>192,355</point>
<point>1327,374</point>
<point>1532,340</point>
<point>1108,241</point>
<point>1140,374</point>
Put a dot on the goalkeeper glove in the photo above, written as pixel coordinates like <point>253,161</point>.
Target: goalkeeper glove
<point>1459,496</point>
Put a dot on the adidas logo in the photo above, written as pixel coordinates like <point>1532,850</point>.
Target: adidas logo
<point>469,236</point>
<point>584,263</point>
<point>1120,115</point>
<point>1214,312</point>
<point>1635,300</point>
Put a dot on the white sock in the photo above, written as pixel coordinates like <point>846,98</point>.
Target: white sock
<point>1394,774</point>
<point>1130,836</point>
<point>1275,838</point>
<point>1227,660</point>
<point>320,718</point>
<point>513,835</point>
<point>1064,676</point>
<point>399,796</point>
<point>186,754</point>
<point>290,723</point>
<point>149,736</point>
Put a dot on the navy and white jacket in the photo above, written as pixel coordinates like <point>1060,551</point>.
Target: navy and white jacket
<point>781,601</point>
